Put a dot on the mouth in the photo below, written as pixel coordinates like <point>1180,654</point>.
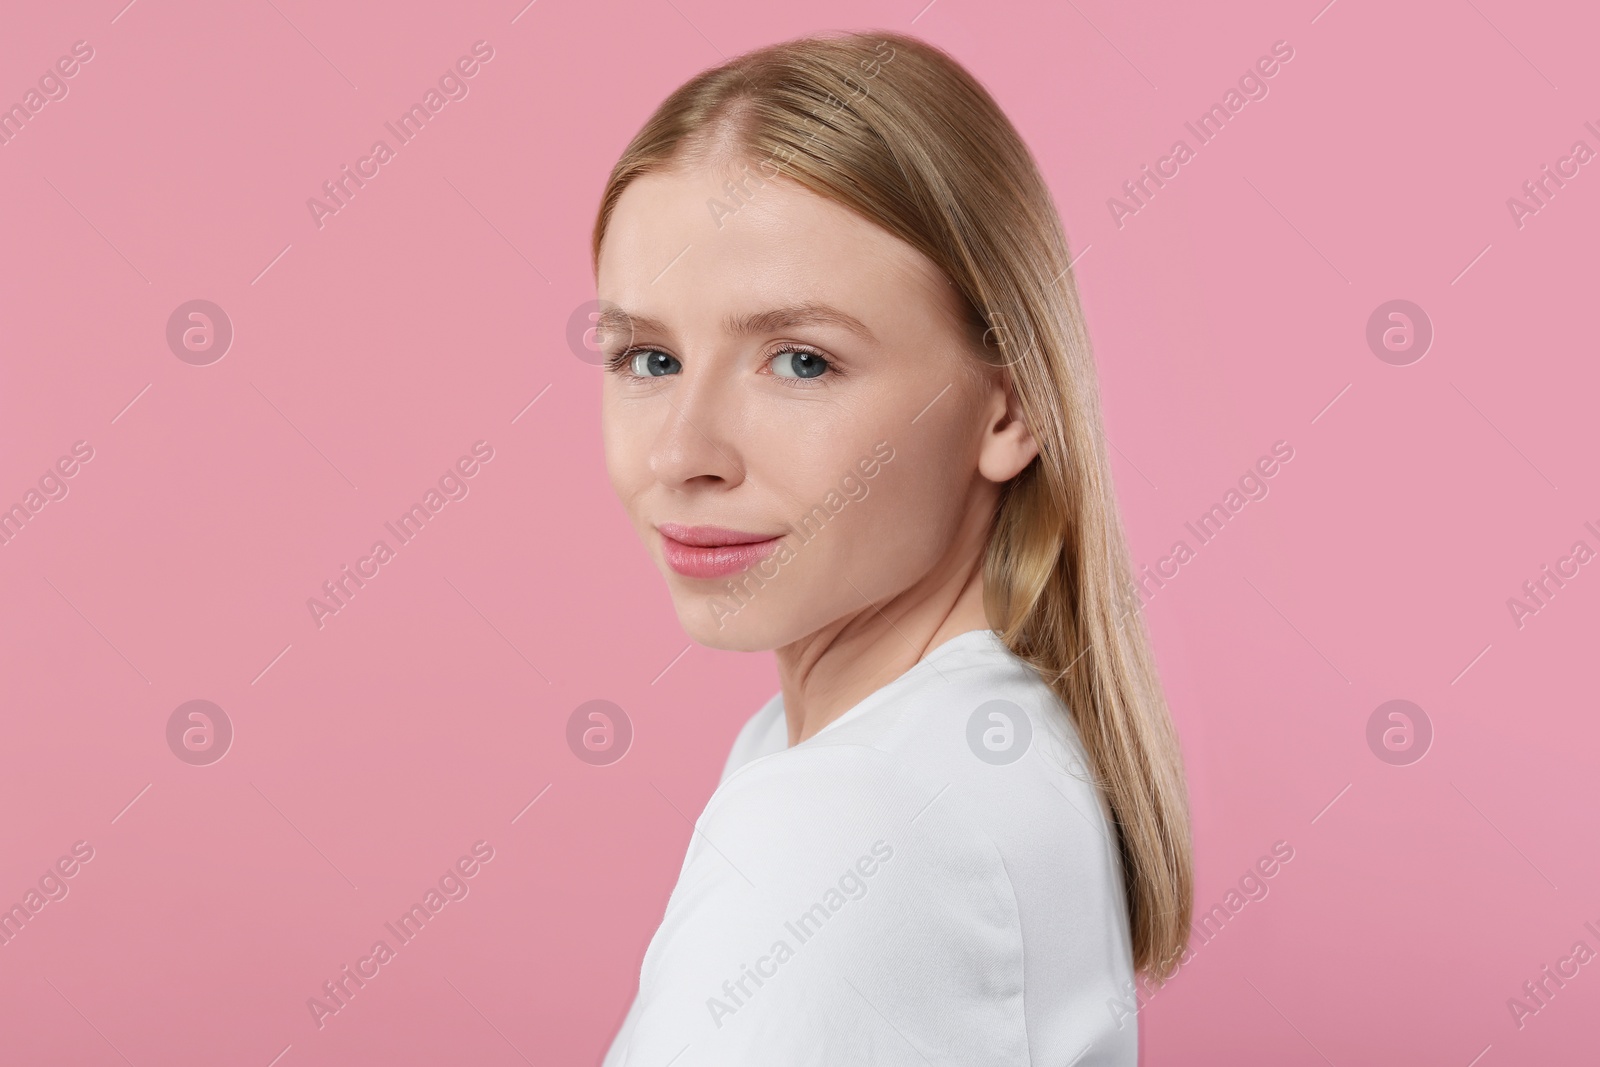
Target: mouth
<point>713,551</point>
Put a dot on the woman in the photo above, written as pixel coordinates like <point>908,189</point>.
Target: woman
<point>851,409</point>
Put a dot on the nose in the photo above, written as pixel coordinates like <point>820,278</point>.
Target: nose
<point>696,444</point>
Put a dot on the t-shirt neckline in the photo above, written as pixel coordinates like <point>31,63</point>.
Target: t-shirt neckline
<point>964,640</point>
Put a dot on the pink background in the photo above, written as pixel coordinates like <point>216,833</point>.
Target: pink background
<point>1228,314</point>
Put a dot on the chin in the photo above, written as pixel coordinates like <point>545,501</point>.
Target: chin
<point>749,629</point>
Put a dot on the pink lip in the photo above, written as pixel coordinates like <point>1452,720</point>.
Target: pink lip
<point>712,551</point>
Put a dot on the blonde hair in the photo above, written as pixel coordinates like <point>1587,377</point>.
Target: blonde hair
<point>896,130</point>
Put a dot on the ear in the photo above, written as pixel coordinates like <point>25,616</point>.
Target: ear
<point>1008,444</point>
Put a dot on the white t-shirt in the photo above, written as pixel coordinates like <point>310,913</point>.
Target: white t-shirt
<point>929,879</point>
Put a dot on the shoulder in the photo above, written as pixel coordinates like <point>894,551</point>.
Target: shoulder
<point>825,805</point>
<point>972,745</point>
<point>985,724</point>
<point>761,733</point>
<point>831,906</point>
<point>827,810</point>
<point>867,895</point>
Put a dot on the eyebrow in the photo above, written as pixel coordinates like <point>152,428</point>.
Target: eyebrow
<point>770,321</point>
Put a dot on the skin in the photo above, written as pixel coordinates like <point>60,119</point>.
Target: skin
<point>738,436</point>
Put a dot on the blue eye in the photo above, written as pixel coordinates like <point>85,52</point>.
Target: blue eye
<point>652,363</point>
<point>798,363</point>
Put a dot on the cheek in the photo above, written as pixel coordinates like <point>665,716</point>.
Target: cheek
<point>889,538</point>
<point>911,516</point>
<point>920,499</point>
<point>898,522</point>
<point>623,448</point>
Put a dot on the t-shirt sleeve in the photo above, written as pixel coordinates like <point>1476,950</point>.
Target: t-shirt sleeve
<point>752,736</point>
<point>834,908</point>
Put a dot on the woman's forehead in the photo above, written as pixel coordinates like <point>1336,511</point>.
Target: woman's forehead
<point>783,246</point>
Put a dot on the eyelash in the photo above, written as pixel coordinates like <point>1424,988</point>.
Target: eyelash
<point>619,363</point>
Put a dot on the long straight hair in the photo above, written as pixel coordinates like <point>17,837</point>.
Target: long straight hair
<point>896,130</point>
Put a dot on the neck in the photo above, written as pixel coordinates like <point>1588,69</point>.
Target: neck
<point>827,673</point>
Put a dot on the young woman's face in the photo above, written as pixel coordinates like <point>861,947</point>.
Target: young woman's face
<point>793,419</point>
